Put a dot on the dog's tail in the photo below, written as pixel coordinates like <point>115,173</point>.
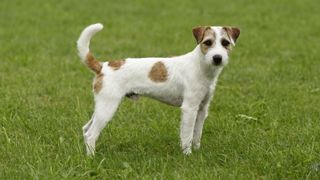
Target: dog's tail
<point>83,47</point>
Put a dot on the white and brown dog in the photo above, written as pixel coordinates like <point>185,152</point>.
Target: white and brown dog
<point>187,81</point>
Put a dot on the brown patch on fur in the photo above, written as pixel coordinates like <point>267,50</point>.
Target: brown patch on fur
<point>225,36</point>
<point>198,32</point>
<point>232,32</point>
<point>209,34</point>
<point>93,63</point>
<point>97,83</point>
<point>115,65</point>
<point>158,72</point>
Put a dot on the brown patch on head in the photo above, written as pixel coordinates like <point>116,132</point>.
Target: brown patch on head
<point>115,65</point>
<point>208,40</point>
<point>97,83</point>
<point>158,72</point>
<point>93,64</point>
<point>232,32</point>
<point>198,32</point>
<point>226,40</point>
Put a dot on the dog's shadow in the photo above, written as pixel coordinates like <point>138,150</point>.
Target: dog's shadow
<point>139,147</point>
<point>147,133</point>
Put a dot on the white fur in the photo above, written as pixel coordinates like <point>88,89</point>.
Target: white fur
<point>190,85</point>
<point>84,39</point>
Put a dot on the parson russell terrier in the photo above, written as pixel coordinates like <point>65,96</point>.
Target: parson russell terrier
<point>187,81</point>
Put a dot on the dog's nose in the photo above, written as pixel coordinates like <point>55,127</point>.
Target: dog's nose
<point>217,59</point>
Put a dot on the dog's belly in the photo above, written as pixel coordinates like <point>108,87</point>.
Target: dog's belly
<point>173,98</point>
<point>173,101</point>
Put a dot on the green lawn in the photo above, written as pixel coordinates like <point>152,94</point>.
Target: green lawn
<point>273,76</point>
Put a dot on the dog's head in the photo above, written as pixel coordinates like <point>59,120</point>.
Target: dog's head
<point>216,43</point>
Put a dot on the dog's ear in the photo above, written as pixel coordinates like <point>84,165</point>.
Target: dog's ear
<point>198,32</point>
<point>233,33</point>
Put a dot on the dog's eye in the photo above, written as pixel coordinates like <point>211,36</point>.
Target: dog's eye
<point>208,42</point>
<point>225,42</point>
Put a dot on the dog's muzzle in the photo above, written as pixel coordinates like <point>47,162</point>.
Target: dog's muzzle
<point>217,60</point>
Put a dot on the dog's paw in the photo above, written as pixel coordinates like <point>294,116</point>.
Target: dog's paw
<point>90,150</point>
<point>187,151</point>
<point>90,145</point>
<point>196,146</point>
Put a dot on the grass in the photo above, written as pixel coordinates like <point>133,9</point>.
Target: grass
<point>46,95</point>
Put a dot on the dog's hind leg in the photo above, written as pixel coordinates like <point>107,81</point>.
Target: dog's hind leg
<point>104,110</point>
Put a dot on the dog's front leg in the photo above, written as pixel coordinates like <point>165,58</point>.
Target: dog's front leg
<point>189,112</point>
<point>201,117</point>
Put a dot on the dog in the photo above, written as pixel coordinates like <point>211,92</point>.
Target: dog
<point>187,81</point>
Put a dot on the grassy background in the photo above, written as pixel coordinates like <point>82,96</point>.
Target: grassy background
<point>46,92</point>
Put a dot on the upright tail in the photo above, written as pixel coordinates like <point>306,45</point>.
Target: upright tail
<point>83,47</point>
